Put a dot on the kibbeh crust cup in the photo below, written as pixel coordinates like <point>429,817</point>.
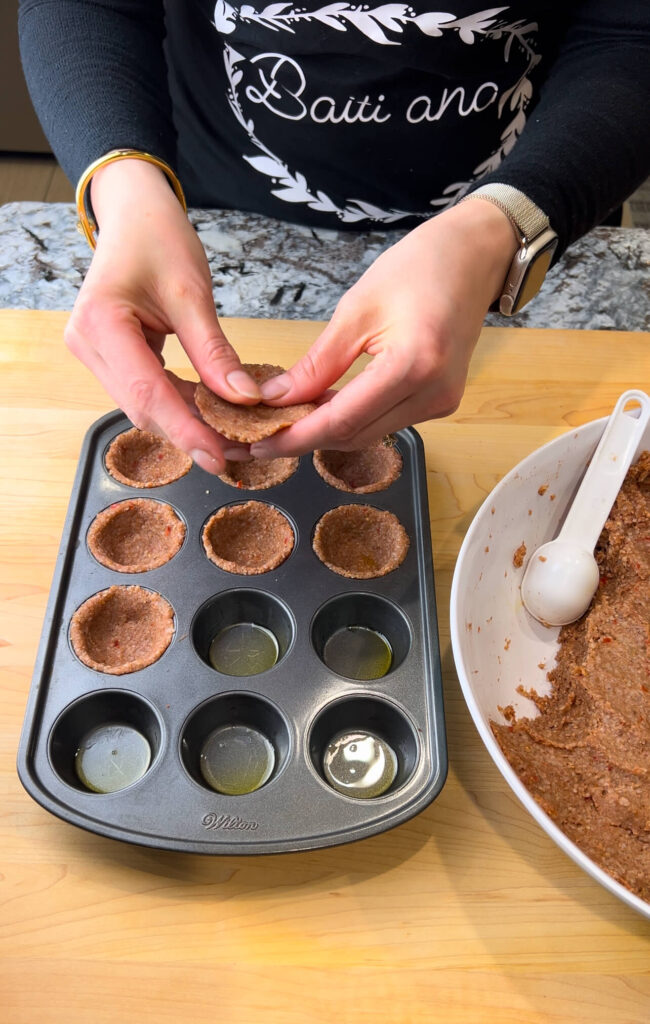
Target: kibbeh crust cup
<point>135,535</point>
<point>139,458</point>
<point>259,474</point>
<point>248,423</point>
<point>248,539</point>
<point>361,472</point>
<point>360,542</point>
<point>122,629</point>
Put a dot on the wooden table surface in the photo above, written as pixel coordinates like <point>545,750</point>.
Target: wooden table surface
<point>466,914</point>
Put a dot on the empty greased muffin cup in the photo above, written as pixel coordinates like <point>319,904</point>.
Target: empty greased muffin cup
<point>249,539</point>
<point>360,542</point>
<point>139,458</point>
<point>360,472</point>
<point>267,703</point>
<point>105,741</point>
<point>136,535</point>
<point>122,629</point>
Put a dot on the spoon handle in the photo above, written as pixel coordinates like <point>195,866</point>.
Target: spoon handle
<point>606,471</point>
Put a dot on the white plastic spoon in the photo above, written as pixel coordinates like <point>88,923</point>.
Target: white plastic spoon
<point>562,576</point>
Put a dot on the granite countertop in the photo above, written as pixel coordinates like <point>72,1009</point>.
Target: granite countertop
<point>266,268</point>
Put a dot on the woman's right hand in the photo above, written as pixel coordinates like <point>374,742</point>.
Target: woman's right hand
<point>149,277</point>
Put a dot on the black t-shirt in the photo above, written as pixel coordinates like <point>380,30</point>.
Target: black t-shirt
<point>353,114</point>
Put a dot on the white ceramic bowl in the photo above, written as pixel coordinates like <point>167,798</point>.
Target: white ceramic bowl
<point>497,645</point>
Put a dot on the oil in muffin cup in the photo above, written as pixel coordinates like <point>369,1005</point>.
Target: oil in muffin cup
<point>105,742</point>
<point>361,636</point>
<point>242,632</point>
<point>235,743</point>
<point>363,747</point>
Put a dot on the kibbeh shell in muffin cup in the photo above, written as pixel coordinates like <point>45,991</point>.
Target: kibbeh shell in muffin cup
<point>135,535</point>
<point>248,423</point>
<point>122,629</point>
<point>259,474</point>
<point>360,542</point>
<point>360,472</point>
<point>139,458</point>
<point>248,539</point>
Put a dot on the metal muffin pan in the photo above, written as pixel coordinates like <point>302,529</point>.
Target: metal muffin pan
<point>299,704</point>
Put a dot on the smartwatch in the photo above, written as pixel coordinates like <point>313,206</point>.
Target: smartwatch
<point>537,244</point>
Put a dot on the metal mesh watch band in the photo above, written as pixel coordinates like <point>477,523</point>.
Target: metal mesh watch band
<point>527,218</point>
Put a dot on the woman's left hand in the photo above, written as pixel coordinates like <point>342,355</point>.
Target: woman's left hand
<point>418,312</point>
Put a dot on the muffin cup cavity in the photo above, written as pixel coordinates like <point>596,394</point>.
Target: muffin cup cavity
<point>230,719</point>
<point>84,722</point>
<point>136,535</point>
<point>362,654</point>
<point>360,716</point>
<point>259,474</point>
<point>248,539</point>
<point>139,458</point>
<point>360,472</point>
<point>122,629</point>
<point>232,608</point>
<point>360,542</point>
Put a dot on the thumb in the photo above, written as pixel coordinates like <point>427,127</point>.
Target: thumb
<point>322,365</point>
<point>212,355</point>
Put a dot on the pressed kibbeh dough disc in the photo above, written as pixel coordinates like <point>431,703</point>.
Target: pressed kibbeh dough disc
<point>360,472</point>
<point>360,542</point>
<point>139,458</point>
<point>248,539</point>
<point>248,423</point>
<point>136,535</point>
<point>122,629</point>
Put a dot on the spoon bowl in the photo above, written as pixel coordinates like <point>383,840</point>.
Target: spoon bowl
<point>560,580</point>
<point>562,575</point>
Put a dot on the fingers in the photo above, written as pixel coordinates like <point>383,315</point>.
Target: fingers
<point>341,422</point>
<point>323,364</point>
<point>213,357</point>
<point>374,404</point>
<point>114,349</point>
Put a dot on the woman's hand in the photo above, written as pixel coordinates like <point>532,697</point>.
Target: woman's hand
<point>418,311</point>
<point>150,277</point>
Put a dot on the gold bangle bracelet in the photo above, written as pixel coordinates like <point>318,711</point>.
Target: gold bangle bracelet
<point>86,224</point>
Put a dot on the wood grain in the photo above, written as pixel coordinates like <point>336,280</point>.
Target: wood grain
<point>467,914</point>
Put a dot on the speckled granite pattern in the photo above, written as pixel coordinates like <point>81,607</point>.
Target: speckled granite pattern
<point>267,268</point>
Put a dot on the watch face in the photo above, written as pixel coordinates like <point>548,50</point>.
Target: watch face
<point>533,278</point>
<point>527,273</point>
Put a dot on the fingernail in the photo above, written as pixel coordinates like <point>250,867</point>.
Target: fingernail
<point>206,461</point>
<point>276,386</point>
<point>240,382</point>
<point>237,455</point>
<point>261,450</point>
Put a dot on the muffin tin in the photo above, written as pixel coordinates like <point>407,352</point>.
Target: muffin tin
<point>177,702</point>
